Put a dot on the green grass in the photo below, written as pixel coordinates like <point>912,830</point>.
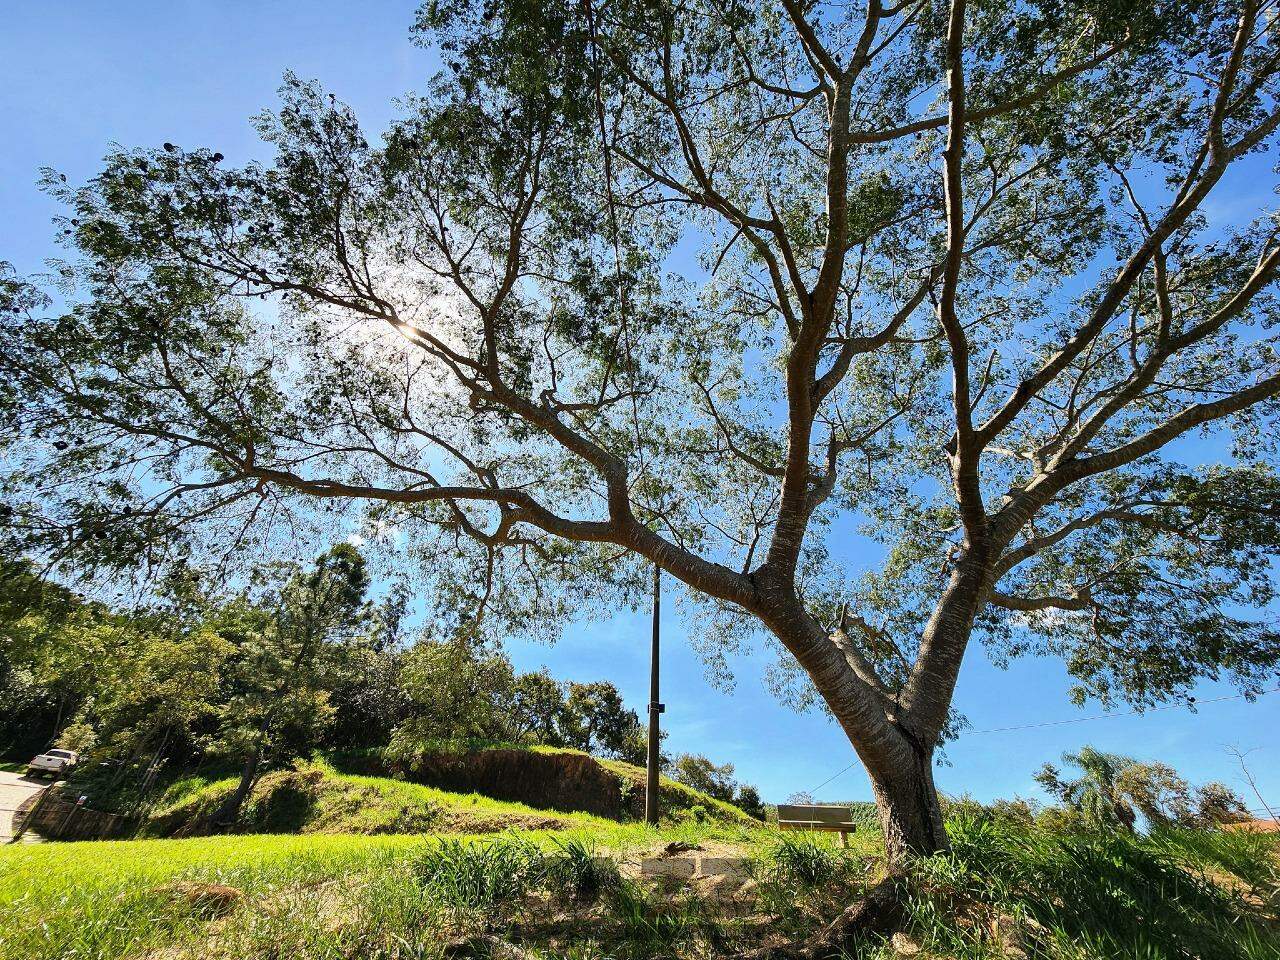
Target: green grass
<point>9,767</point>
<point>678,800</point>
<point>108,899</point>
<point>1099,896</point>
<point>675,798</point>
<point>315,798</point>
<point>117,898</point>
<point>322,896</point>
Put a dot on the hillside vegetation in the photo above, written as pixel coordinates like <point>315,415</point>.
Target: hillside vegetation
<point>314,798</point>
<point>317,797</point>
<point>1003,892</point>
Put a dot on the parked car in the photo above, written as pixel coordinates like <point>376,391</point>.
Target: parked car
<point>55,762</point>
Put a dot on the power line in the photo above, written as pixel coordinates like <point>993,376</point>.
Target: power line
<point>825,782</point>
<point>1112,716</point>
<point>1058,723</point>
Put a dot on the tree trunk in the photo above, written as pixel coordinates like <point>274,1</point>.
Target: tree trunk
<point>893,732</point>
<point>910,814</point>
<point>229,812</point>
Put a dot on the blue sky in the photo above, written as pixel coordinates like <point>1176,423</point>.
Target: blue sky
<point>77,75</point>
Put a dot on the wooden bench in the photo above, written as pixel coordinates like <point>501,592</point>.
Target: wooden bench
<point>809,816</point>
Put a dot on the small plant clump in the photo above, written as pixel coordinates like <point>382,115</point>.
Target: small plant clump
<point>579,873</point>
<point>802,880</point>
<point>480,876</point>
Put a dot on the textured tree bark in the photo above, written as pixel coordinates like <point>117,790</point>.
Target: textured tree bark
<point>910,813</point>
<point>895,740</point>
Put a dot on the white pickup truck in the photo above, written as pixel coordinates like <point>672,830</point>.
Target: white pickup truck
<point>55,762</point>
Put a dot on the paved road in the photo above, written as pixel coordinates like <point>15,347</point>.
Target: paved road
<point>14,788</point>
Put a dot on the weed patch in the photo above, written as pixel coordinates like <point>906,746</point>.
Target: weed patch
<point>1093,896</point>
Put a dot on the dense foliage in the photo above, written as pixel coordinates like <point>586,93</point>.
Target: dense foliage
<point>297,661</point>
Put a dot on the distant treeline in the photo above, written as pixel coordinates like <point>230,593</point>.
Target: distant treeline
<point>297,661</point>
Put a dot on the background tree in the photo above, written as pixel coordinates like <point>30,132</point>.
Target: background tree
<point>463,693</point>
<point>957,283</point>
<point>538,712</point>
<point>135,684</point>
<point>50,641</point>
<point>695,770</point>
<point>1158,792</point>
<point>1098,793</point>
<point>279,699</point>
<point>635,748</point>
<point>749,802</point>
<point>153,698</point>
<point>366,693</point>
<point>458,694</point>
<point>599,722</point>
<point>1113,791</point>
<point>1217,804</point>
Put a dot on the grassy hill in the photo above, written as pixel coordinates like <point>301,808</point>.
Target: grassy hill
<point>556,778</point>
<point>674,798</point>
<point>316,798</point>
<point>321,797</point>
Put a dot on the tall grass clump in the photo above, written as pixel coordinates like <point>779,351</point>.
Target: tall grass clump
<point>650,923</point>
<point>578,872</point>
<point>1081,896</point>
<point>482,886</point>
<point>801,880</point>
<point>487,876</point>
<point>1251,859</point>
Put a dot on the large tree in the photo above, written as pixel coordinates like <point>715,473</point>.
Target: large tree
<point>712,286</point>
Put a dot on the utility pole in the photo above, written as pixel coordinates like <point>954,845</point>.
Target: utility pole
<point>655,708</point>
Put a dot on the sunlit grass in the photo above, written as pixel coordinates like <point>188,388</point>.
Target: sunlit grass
<point>115,898</point>
<point>1003,891</point>
<point>317,799</point>
<point>108,899</point>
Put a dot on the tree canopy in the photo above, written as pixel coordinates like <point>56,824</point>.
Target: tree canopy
<point>708,286</point>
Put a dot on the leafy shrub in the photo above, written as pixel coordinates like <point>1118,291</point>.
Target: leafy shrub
<point>1016,812</point>
<point>696,814</point>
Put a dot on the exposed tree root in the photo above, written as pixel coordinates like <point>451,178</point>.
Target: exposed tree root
<point>880,913</point>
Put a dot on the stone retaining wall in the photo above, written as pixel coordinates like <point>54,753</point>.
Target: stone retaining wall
<point>56,816</point>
